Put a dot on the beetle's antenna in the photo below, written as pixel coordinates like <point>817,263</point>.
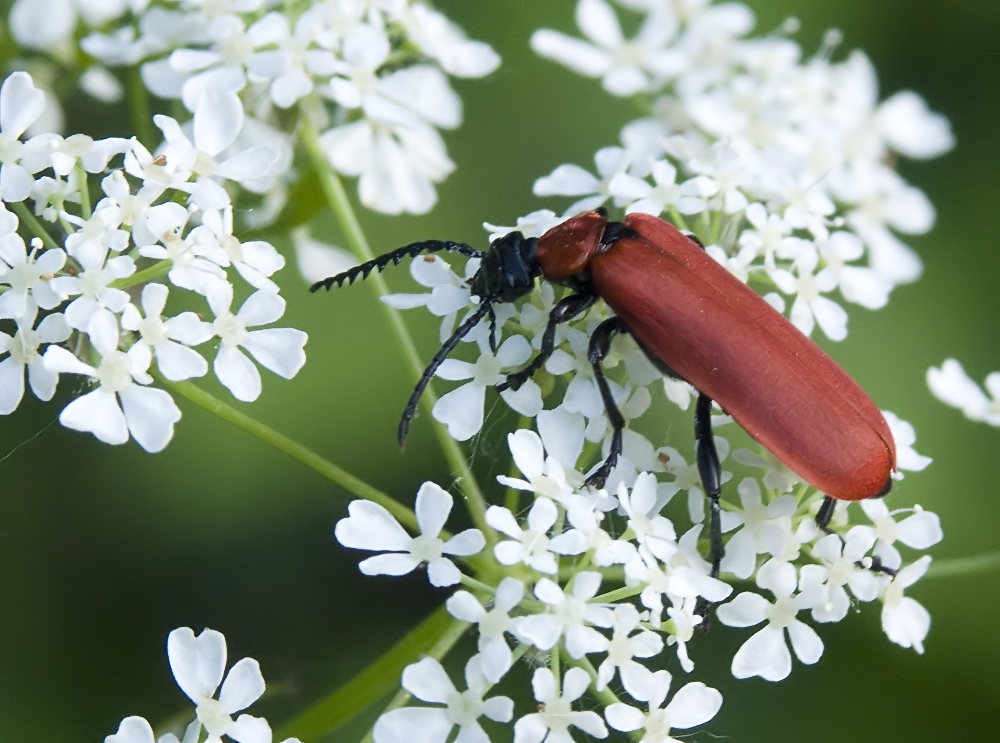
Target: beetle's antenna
<point>449,345</point>
<point>395,256</point>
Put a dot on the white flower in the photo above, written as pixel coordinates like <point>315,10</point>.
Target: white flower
<point>132,730</point>
<point>652,531</point>
<point>841,566</point>
<point>569,615</point>
<point>535,224</point>
<point>622,650</point>
<point>293,64</point>
<point>626,67</point>
<point>766,529</point>
<point>919,530</point>
<point>168,339</point>
<point>218,119</point>
<point>397,166</point>
<point>545,475</point>
<point>952,386</point>
<point>47,24</point>
<point>429,682</point>
<point>810,306</point>
<point>462,408</point>
<point>687,477</point>
<point>449,292</point>
<point>556,715</point>
<point>93,284</point>
<point>26,274</point>
<point>685,576</point>
<point>370,527</point>
<point>905,437</point>
<point>277,349</point>
<point>409,97</point>
<point>189,269</point>
<point>494,652</point>
<point>572,180</point>
<point>777,476</point>
<point>694,704</point>
<point>683,620</point>
<point>121,404</point>
<point>24,354</point>
<point>198,664</point>
<point>905,621</point>
<point>863,286</point>
<point>442,40</point>
<point>21,103</point>
<point>686,197</point>
<point>255,260</point>
<point>766,654</point>
<point>532,546</point>
<point>912,129</point>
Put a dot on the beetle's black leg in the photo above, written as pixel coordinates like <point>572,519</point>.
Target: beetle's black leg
<point>825,513</point>
<point>449,345</point>
<point>600,345</point>
<point>711,475</point>
<point>564,311</point>
<point>493,329</point>
<point>394,257</point>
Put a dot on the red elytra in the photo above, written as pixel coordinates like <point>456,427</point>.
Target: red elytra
<point>724,339</point>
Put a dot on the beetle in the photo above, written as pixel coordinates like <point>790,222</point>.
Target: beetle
<point>695,321</point>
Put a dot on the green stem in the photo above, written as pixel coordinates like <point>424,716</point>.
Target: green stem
<point>342,209</point>
<point>81,177</point>
<point>375,681</point>
<point>554,667</point>
<point>441,648</point>
<point>297,451</point>
<point>960,567</point>
<point>26,217</point>
<point>147,274</point>
<point>138,102</point>
<point>477,585</point>
<point>620,593</point>
<point>678,219</point>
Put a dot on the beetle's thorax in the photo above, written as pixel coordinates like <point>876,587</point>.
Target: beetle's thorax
<point>508,269</point>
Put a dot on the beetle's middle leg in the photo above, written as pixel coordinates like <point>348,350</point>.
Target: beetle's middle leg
<point>600,346</point>
<point>565,310</point>
<point>711,475</point>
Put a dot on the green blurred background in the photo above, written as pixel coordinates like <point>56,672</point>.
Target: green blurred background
<point>104,550</point>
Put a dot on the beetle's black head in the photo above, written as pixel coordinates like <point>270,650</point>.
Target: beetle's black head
<point>508,269</point>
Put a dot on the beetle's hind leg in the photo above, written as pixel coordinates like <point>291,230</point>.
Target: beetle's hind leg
<point>600,346</point>
<point>711,475</point>
<point>565,310</point>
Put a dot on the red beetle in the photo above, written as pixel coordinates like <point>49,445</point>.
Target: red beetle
<point>697,322</point>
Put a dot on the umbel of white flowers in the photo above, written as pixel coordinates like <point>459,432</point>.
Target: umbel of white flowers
<point>66,304</point>
<point>378,68</point>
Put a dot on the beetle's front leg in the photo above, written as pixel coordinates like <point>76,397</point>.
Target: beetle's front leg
<point>565,310</point>
<point>711,475</point>
<point>600,346</point>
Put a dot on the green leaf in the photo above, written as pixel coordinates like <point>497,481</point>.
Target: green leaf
<point>371,684</point>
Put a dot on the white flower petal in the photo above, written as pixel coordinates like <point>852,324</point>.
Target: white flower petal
<point>98,413</point>
<point>237,373</point>
<point>151,414</point>
<point>765,654</point>
<point>243,686</point>
<point>370,527</point>
<point>198,663</point>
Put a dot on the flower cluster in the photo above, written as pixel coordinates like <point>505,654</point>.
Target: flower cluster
<point>85,293</point>
<point>952,385</point>
<point>198,663</point>
<point>373,73</point>
<point>782,167</point>
<point>612,583</point>
<point>780,164</point>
